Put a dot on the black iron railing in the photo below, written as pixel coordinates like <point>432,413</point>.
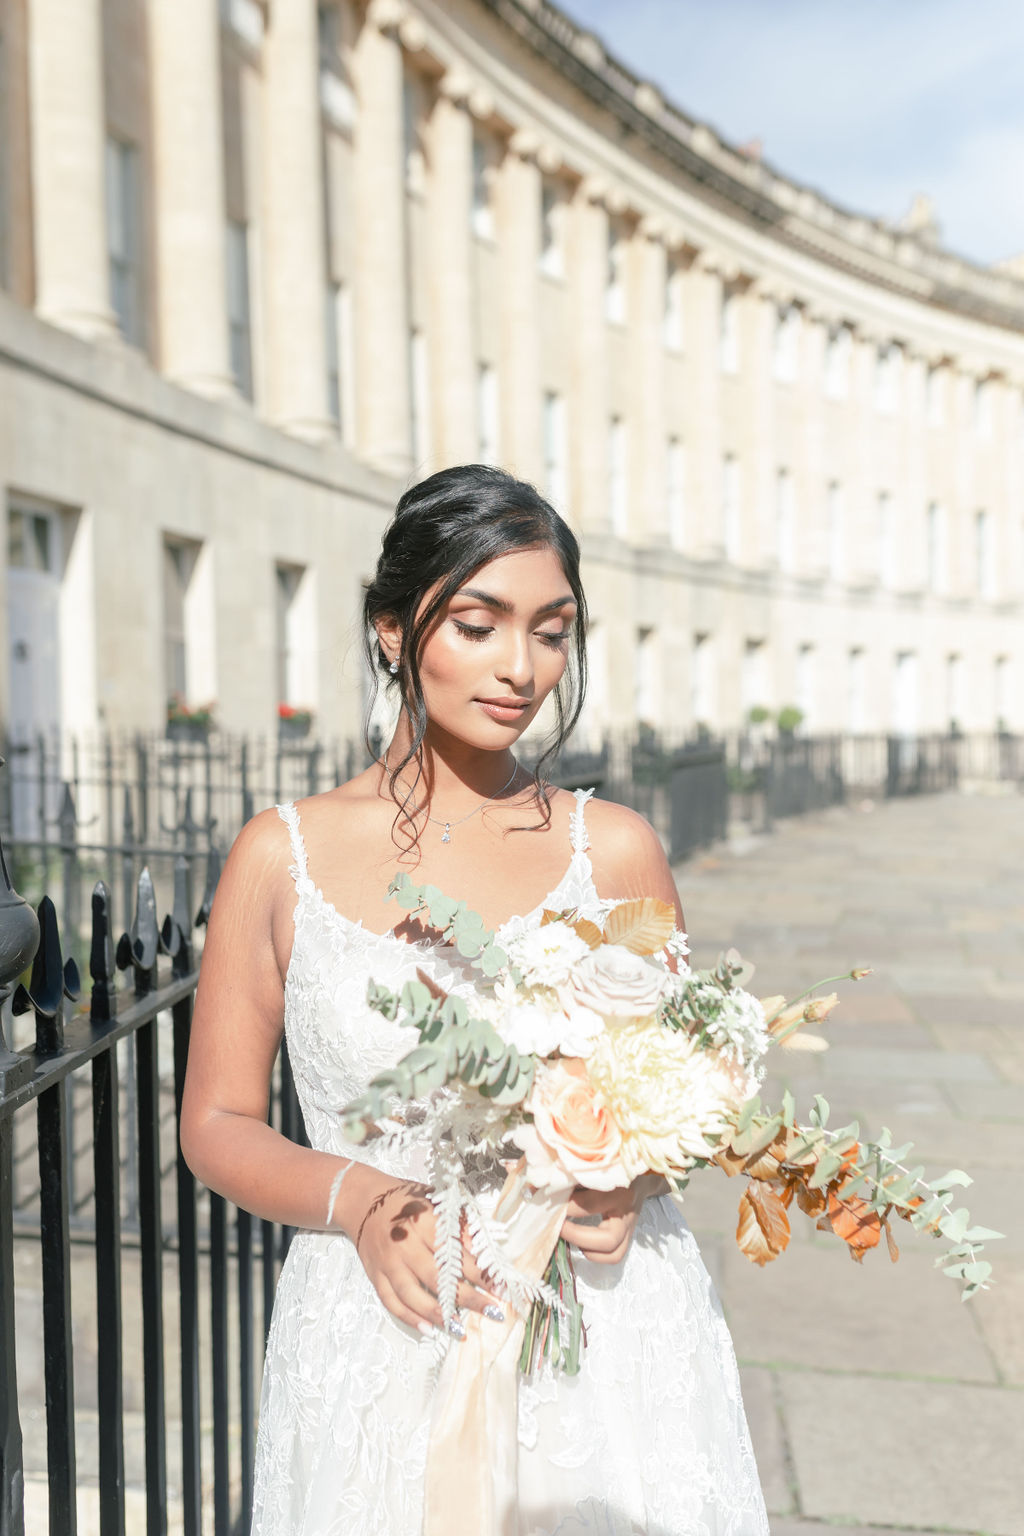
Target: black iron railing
<point>141,995</point>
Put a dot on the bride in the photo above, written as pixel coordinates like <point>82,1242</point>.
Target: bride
<point>475,616</point>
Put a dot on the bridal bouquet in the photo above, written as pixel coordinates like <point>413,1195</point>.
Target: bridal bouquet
<point>587,1056</point>
<point>592,1055</point>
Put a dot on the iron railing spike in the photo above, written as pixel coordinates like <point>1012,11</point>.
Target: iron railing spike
<point>180,909</point>
<point>45,991</point>
<point>128,817</point>
<point>145,932</point>
<point>67,819</point>
<point>101,957</point>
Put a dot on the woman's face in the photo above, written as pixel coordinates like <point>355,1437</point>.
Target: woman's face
<point>498,648</point>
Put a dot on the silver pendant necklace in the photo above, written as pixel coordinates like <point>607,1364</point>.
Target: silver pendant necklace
<point>446,835</point>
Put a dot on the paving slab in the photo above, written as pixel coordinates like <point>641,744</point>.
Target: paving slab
<point>867,1360</point>
<point>978,1035</point>
<point>999,1315</point>
<point>953,1008</point>
<point>966,981</point>
<point>900,1453</point>
<point>859,1007</point>
<point>993,1101</point>
<point>765,1420</point>
<point>815,1308</point>
<point>844,1062</point>
<point>782,1526</point>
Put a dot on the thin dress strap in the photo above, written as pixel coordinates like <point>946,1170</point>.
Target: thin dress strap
<point>577,823</point>
<point>299,869</point>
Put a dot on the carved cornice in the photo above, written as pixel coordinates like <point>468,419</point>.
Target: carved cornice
<point>753,191</point>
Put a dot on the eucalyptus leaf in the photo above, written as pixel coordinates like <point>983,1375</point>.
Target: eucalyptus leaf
<point>759,1138</point>
<point>820,1112</point>
<point>828,1166</point>
<point>788,1109</point>
<point>954,1224</point>
<point>491,960</point>
<point>417,997</point>
<point>748,1112</point>
<point>382,1000</point>
<point>955,1177</point>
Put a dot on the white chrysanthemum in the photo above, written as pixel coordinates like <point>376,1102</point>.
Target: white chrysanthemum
<point>667,1094</point>
<point>540,1022</point>
<point>546,956</point>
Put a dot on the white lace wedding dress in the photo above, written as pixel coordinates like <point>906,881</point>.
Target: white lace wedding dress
<point>649,1439</point>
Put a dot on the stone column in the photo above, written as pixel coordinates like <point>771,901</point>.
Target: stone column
<point>519,205</point>
<point>188,195</point>
<point>68,149</point>
<point>588,259</point>
<point>912,490</point>
<point>758,521</point>
<point>381,305</point>
<point>648,469</point>
<point>812,531</point>
<point>862,485</point>
<point>451,284</point>
<point>293,236</point>
<point>704,368</point>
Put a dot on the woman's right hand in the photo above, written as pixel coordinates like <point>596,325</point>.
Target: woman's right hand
<point>395,1242</point>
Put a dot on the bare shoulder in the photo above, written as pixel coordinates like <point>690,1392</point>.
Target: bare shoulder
<point>627,854</point>
<point>261,845</point>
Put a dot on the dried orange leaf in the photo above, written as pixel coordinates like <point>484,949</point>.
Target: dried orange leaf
<point>763,1229</point>
<point>643,927</point>
<point>589,932</point>
<point>894,1252</point>
<point>811,1201</point>
<point>732,1162</point>
<point>854,1221</point>
<point>765,1165</point>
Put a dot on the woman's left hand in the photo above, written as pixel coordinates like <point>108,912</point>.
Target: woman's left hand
<point>608,1242</point>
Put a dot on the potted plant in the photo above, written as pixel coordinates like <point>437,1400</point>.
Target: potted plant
<point>788,718</point>
<point>293,724</point>
<point>188,722</point>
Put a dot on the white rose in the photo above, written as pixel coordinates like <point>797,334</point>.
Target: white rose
<point>618,984</point>
<point>533,1029</point>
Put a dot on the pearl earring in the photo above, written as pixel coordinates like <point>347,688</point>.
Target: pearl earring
<point>393,669</point>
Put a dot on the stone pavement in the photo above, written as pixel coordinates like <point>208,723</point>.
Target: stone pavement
<point>877,1400</point>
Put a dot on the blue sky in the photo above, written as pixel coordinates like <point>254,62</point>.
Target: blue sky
<point>870,101</point>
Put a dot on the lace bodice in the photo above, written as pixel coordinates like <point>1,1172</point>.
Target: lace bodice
<point>334,957</point>
<point>649,1439</point>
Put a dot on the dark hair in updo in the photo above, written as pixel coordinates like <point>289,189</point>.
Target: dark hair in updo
<point>443,530</point>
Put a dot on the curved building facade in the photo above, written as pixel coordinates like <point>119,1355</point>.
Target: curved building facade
<point>262,264</point>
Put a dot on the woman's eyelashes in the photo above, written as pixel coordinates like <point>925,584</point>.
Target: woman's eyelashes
<point>481,632</point>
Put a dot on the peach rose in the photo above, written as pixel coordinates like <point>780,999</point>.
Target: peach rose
<point>573,1138</point>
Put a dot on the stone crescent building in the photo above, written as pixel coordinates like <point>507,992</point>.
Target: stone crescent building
<point>262,264</point>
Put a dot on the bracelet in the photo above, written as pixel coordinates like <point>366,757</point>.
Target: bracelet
<point>336,1183</point>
